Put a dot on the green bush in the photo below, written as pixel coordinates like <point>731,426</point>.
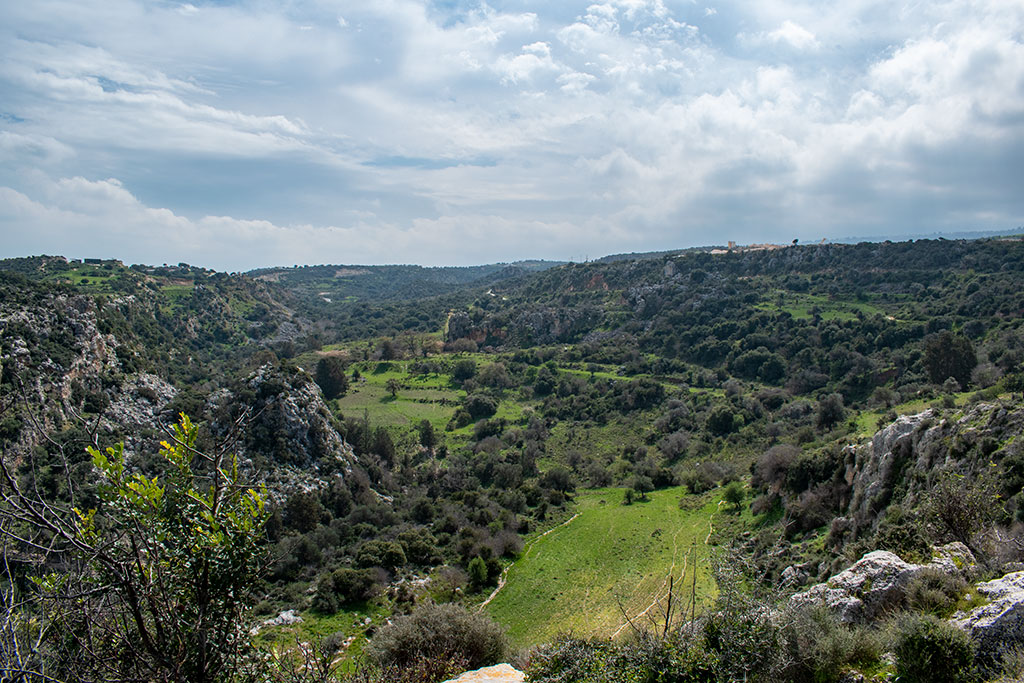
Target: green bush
<point>935,592</point>
<point>645,659</point>
<point>343,587</point>
<point>440,632</point>
<point>928,649</point>
<point>822,648</point>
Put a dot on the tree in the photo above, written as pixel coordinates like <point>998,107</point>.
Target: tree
<point>330,376</point>
<point>428,439</point>
<point>393,386</point>
<point>734,495</point>
<point>152,583</point>
<point>949,355</point>
<point>463,369</point>
<point>480,406</point>
<point>721,420</point>
<point>642,485</point>
<point>959,508</point>
<point>830,411</point>
<point>477,572</point>
<point>377,553</point>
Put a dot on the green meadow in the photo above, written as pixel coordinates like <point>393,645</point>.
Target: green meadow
<point>609,561</point>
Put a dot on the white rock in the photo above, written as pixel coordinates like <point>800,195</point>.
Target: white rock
<point>285,618</point>
<point>499,673</point>
<point>877,582</point>
<point>998,625</point>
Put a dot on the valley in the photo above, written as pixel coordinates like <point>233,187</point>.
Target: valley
<point>585,436</point>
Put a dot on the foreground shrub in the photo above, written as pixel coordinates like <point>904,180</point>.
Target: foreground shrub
<point>823,649</point>
<point>928,649</point>
<point>646,658</point>
<point>442,633</point>
<point>935,592</point>
<point>422,670</point>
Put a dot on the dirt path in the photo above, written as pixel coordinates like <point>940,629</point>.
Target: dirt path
<point>526,549</point>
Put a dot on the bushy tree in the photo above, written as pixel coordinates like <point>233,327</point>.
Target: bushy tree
<point>330,376</point>
<point>948,355</point>
<point>830,411</point>
<point>153,582</point>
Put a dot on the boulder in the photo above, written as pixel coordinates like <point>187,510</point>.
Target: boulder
<point>877,582</point>
<point>998,625</point>
<point>499,673</point>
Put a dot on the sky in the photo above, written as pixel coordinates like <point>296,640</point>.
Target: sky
<point>236,135</point>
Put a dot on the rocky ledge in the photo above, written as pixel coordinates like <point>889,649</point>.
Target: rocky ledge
<point>995,625</point>
<point>877,582</point>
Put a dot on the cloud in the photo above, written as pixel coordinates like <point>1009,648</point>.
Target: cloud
<point>66,216</point>
<point>618,124</point>
<point>789,34</point>
<point>794,34</point>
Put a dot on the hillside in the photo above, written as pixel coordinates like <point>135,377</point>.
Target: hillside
<point>414,449</point>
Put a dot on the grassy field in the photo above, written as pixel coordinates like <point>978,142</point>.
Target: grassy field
<point>349,623</point>
<point>576,576</point>
<point>803,306</point>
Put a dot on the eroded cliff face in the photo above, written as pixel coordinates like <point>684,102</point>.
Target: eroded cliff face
<point>56,364</point>
<point>279,417</point>
<point>899,464</point>
<point>70,364</point>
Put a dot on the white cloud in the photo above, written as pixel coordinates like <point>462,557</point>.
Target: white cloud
<point>75,216</point>
<point>593,120</point>
<point>795,35</point>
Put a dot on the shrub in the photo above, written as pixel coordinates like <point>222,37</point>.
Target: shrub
<point>440,632</point>
<point>343,587</point>
<point>647,658</point>
<point>774,463</point>
<point>480,406</point>
<point>376,553</point>
<point>928,649</point>
<point>822,648</point>
<point>935,591</point>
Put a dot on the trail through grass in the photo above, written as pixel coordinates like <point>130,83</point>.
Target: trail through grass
<point>611,559</point>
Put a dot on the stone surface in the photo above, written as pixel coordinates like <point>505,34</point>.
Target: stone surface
<point>877,583</point>
<point>289,422</point>
<point>873,585</point>
<point>499,673</point>
<point>284,618</point>
<point>875,473</point>
<point>998,625</point>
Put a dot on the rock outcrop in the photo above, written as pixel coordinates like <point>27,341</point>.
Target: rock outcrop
<point>999,624</point>
<point>877,583</point>
<point>54,355</point>
<point>499,673</point>
<point>876,473</point>
<point>288,422</point>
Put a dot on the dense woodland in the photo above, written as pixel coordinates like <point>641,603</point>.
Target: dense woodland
<point>746,373</point>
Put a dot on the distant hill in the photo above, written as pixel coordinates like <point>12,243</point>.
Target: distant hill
<point>348,283</point>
